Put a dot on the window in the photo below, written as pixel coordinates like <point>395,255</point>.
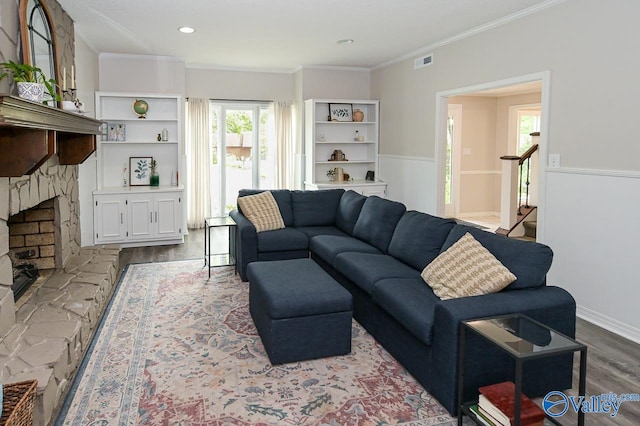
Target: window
<point>243,151</point>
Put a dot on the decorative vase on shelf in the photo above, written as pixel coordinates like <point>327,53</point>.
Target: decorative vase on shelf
<point>358,115</point>
<point>31,91</point>
<point>154,178</point>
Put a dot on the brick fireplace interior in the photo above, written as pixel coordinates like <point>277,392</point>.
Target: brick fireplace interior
<point>33,243</point>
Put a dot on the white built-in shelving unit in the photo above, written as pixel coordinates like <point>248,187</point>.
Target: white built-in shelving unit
<point>139,215</point>
<point>324,136</point>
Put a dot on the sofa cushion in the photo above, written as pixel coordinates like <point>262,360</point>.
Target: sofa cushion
<point>527,260</point>
<point>327,247</point>
<point>377,221</point>
<point>365,269</point>
<point>409,302</point>
<point>282,197</point>
<point>312,231</point>
<point>348,210</point>
<point>466,269</point>
<point>315,208</point>
<point>262,210</point>
<point>297,288</point>
<point>285,239</point>
<point>418,238</point>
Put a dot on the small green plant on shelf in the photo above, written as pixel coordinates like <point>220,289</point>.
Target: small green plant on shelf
<point>25,73</point>
<point>331,174</point>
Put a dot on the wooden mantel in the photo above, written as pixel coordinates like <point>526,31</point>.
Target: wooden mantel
<point>30,133</point>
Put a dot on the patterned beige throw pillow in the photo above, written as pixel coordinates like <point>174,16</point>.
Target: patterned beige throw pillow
<point>466,269</point>
<point>262,210</point>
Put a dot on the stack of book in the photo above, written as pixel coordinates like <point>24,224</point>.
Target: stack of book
<point>496,407</point>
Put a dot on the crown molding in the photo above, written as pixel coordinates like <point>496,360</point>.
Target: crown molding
<point>141,57</point>
<point>331,68</point>
<point>197,66</point>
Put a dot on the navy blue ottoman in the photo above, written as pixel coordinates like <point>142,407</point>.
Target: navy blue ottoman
<point>300,312</point>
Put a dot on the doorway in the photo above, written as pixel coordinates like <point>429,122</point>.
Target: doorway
<point>243,151</point>
<point>473,192</point>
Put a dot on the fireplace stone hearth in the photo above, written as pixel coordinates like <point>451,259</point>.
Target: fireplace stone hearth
<point>47,335</point>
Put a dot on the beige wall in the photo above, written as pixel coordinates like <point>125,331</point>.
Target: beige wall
<point>588,47</point>
<point>351,83</point>
<point>586,44</point>
<point>478,169</point>
<point>141,74</point>
<point>238,85</point>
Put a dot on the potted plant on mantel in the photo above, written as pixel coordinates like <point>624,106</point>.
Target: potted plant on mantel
<point>30,80</point>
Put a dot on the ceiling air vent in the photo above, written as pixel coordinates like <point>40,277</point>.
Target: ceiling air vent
<point>423,61</point>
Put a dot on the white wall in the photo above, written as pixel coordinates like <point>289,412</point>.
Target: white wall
<point>588,47</point>
<point>87,81</point>
<point>596,248</point>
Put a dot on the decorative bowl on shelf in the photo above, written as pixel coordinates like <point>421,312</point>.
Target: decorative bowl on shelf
<point>141,107</point>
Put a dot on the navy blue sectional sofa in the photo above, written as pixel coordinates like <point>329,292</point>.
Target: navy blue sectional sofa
<point>377,249</point>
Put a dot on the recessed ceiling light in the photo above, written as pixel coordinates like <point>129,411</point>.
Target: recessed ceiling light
<point>345,41</point>
<point>186,30</point>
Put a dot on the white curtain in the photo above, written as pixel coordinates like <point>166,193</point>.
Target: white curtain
<point>198,162</point>
<point>284,143</point>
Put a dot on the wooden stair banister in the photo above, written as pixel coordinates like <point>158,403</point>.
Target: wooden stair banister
<point>511,190</point>
<point>528,153</point>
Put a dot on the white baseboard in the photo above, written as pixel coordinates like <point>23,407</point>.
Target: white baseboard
<point>608,323</point>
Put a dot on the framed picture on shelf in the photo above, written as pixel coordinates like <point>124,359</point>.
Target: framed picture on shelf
<point>140,171</point>
<point>340,112</point>
<point>117,132</point>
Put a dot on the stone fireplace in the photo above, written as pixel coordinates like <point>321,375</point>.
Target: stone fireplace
<point>45,336</point>
<point>52,185</point>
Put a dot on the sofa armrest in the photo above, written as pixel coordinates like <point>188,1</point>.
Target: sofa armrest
<point>246,242</point>
<point>550,305</point>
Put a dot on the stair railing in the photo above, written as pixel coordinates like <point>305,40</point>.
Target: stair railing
<point>525,159</point>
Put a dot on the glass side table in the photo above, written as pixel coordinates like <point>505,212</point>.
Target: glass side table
<point>520,337</point>
<point>220,259</point>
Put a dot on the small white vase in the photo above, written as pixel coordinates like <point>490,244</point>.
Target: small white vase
<point>31,91</point>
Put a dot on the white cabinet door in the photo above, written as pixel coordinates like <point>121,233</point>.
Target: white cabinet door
<point>141,224</point>
<point>167,215</point>
<point>110,219</point>
<point>155,216</point>
<point>138,218</point>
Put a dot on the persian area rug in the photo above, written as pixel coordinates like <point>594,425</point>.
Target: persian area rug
<point>177,348</point>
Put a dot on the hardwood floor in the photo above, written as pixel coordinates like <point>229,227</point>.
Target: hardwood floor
<point>613,363</point>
